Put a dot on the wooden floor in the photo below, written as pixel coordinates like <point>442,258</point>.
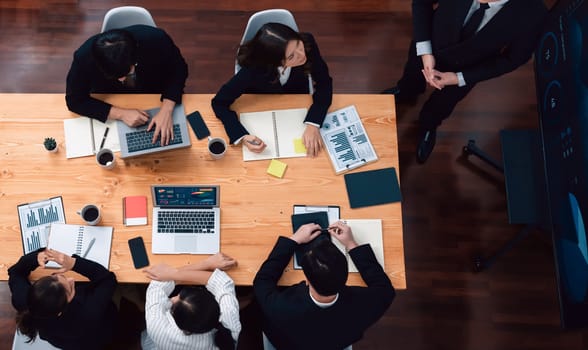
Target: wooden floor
<point>451,210</point>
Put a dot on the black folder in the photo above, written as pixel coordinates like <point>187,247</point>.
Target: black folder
<point>372,187</point>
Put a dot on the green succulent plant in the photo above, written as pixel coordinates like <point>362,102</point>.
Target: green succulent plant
<point>50,143</point>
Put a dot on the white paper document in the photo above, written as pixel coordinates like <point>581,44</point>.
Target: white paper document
<point>364,231</point>
<point>83,136</point>
<point>281,130</point>
<point>346,140</point>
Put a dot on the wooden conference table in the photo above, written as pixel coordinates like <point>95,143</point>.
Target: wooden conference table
<point>255,207</point>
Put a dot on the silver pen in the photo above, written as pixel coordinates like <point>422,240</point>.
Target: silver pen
<point>89,247</point>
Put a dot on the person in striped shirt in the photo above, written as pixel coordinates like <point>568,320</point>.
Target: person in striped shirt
<point>200,317</point>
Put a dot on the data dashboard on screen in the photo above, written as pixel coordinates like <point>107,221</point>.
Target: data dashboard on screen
<point>561,73</point>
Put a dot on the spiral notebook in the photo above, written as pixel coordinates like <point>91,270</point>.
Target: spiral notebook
<point>281,130</point>
<point>90,242</point>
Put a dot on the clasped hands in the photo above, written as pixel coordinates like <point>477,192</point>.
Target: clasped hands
<point>67,262</point>
<point>435,78</point>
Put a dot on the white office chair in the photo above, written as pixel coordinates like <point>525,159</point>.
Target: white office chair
<point>19,343</point>
<point>125,16</point>
<point>258,19</point>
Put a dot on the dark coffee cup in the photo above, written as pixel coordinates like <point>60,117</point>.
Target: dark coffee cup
<point>217,147</point>
<point>91,214</point>
<point>105,158</point>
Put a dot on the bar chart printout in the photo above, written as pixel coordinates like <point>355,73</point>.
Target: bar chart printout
<point>346,140</point>
<point>36,218</point>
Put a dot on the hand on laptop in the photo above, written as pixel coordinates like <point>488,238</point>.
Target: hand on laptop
<point>163,123</point>
<point>131,117</point>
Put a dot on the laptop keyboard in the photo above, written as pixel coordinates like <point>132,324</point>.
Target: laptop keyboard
<point>141,140</point>
<point>179,221</point>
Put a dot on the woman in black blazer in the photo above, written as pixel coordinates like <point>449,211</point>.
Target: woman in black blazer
<point>278,60</point>
<point>68,315</point>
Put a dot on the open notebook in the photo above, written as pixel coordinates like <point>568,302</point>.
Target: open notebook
<point>90,242</point>
<point>83,136</point>
<point>281,130</point>
<point>365,231</point>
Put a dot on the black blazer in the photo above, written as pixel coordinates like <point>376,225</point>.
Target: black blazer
<point>257,81</point>
<point>293,321</point>
<point>504,43</point>
<point>90,319</point>
<point>161,69</point>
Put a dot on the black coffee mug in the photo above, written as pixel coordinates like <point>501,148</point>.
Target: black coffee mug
<point>216,147</point>
<point>91,214</point>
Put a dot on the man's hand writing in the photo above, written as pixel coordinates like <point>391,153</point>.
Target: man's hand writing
<point>343,234</point>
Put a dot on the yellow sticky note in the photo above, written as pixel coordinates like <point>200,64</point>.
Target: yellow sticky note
<point>299,146</point>
<point>276,168</point>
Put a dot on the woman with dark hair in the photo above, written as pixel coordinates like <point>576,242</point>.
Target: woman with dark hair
<point>198,317</point>
<point>278,60</point>
<point>68,315</point>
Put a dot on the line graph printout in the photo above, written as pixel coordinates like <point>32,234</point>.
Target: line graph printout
<point>346,140</point>
<point>35,220</point>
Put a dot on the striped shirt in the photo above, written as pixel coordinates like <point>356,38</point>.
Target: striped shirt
<point>162,331</point>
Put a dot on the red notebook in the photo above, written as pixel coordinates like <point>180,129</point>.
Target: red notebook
<point>135,210</point>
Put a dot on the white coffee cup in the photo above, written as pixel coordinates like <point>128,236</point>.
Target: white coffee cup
<point>91,214</point>
<point>105,158</point>
<point>217,147</point>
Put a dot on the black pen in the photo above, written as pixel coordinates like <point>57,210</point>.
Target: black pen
<point>104,138</point>
<point>254,142</point>
<point>326,230</point>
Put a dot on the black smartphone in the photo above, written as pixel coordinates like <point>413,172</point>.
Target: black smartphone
<point>198,125</point>
<point>138,252</point>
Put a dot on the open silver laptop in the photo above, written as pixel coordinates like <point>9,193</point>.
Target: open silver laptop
<point>186,219</point>
<point>137,141</point>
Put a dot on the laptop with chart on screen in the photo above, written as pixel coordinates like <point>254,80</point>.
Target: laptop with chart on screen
<point>186,219</point>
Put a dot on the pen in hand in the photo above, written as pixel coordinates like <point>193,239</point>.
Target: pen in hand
<point>326,230</point>
<point>89,247</point>
<point>254,142</point>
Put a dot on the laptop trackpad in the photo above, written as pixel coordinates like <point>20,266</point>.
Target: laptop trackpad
<point>185,244</point>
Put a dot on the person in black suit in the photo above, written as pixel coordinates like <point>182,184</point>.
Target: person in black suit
<point>68,315</point>
<point>134,59</point>
<point>278,60</point>
<point>321,313</point>
<point>458,43</point>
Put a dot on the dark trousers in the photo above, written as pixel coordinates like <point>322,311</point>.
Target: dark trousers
<point>440,103</point>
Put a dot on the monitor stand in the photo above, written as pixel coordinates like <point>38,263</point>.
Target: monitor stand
<point>524,174</point>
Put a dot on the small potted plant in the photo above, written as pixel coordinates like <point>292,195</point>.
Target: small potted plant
<point>50,144</point>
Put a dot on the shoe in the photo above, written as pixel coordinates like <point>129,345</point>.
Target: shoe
<point>426,145</point>
<point>399,97</point>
